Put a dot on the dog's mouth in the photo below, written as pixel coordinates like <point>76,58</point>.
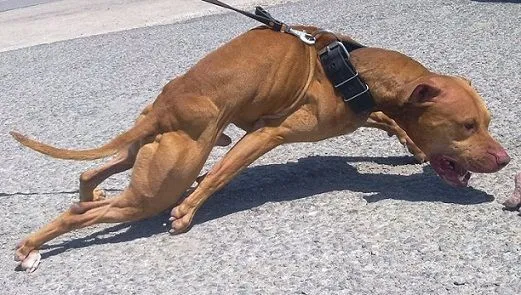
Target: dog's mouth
<point>450,171</point>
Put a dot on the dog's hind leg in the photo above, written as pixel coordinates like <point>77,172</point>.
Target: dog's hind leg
<point>90,179</point>
<point>78,216</point>
<point>123,161</point>
<point>163,170</point>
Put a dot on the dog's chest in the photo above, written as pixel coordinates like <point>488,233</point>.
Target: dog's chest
<point>333,115</point>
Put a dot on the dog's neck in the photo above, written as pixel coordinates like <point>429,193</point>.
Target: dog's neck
<point>387,73</point>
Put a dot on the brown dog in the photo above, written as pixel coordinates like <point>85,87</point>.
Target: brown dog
<point>277,96</point>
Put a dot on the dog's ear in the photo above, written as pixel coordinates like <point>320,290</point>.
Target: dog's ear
<point>424,93</point>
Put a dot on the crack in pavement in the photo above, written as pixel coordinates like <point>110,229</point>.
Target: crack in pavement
<point>52,192</point>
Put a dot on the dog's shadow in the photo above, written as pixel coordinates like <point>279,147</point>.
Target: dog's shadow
<point>295,180</point>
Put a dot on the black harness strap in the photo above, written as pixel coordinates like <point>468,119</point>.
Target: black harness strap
<point>344,77</point>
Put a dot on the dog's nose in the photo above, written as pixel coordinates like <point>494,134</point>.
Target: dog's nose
<point>502,158</point>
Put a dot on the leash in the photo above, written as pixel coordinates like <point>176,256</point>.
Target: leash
<point>265,17</point>
<point>334,59</point>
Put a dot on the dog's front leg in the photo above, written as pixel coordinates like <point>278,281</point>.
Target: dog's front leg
<point>381,121</point>
<point>514,202</point>
<point>248,149</point>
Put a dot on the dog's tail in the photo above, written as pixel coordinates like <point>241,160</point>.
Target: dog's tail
<point>145,127</point>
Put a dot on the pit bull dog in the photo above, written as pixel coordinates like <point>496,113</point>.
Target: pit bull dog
<point>278,96</point>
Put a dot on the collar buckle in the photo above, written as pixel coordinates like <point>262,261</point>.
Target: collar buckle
<point>343,75</point>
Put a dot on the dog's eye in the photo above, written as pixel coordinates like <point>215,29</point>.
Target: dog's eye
<point>470,126</point>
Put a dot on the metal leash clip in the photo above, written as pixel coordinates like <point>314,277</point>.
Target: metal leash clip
<point>265,17</point>
<point>303,36</point>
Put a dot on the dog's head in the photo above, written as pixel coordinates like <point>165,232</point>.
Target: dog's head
<point>449,121</point>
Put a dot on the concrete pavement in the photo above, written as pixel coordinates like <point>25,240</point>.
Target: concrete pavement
<point>349,215</point>
<point>62,20</point>
<point>6,5</point>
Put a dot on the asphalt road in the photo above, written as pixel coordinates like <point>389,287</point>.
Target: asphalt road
<point>350,215</point>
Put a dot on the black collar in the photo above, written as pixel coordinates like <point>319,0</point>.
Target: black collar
<point>343,75</point>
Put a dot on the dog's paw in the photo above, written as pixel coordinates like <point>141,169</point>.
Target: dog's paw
<point>28,257</point>
<point>31,262</point>
<point>98,194</point>
<point>419,156</point>
<point>181,218</point>
<point>21,250</point>
<point>407,142</point>
<point>514,202</point>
